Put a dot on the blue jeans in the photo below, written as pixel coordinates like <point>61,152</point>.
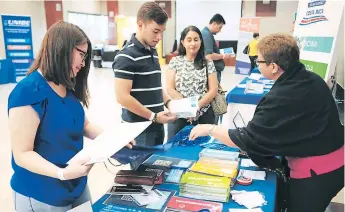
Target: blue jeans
<point>27,204</point>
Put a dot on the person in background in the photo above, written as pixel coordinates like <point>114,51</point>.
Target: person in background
<point>211,49</point>
<point>187,77</point>
<point>137,71</point>
<point>253,50</point>
<point>47,124</point>
<point>297,119</point>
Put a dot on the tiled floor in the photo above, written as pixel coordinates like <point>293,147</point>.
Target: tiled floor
<point>104,111</point>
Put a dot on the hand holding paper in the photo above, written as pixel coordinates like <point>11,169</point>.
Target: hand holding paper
<point>185,108</point>
<point>110,141</point>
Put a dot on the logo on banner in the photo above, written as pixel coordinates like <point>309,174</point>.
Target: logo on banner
<point>249,24</point>
<point>314,15</point>
<point>17,23</point>
<point>315,44</point>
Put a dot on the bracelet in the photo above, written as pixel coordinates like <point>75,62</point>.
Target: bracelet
<point>211,130</point>
<point>60,174</point>
<point>167,102</point>
<point>152,116</point>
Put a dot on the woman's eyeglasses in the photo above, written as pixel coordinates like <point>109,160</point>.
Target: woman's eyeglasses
<point>84,53</point>
<point>260,61</point>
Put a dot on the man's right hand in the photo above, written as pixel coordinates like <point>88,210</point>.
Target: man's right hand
<point>165,117</point>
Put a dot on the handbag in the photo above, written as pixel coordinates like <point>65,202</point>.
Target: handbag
<point>218,104</point>
<point>246,50</point>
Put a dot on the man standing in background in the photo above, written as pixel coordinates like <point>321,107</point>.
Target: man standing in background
<point>137,71</point>
<point>253,51</point>
<point>211,48</point>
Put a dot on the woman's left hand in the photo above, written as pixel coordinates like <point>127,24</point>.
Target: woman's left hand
<point>200,130</point>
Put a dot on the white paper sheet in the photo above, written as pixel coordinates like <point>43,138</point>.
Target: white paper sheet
<point>111,141</point>
<point>247,163</point>
<point>152,197</point>
<point>255,76</point>
<point>249,199</point>
<point>256,88</point>
<point>255,175</point>
<point>85,207</point>
<point>184,108</point>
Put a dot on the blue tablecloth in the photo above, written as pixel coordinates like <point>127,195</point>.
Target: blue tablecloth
<point>237,95</point>
<point>256,70</point>
<point>267,187</point>
<point>7,74</point>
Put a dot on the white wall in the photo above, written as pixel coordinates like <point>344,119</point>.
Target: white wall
<point>36,10</point>
<point>199,13</point>
<point>130,8</point>
<point>283,20</point>
<point>87,6</point>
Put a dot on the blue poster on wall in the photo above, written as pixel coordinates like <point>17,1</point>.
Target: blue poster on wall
<point>18,42</point>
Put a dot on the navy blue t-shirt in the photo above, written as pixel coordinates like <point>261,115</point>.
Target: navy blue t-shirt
<point>59,137</point>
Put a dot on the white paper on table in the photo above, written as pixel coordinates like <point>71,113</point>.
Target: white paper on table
<point>242,86</point>
<point>249,199</point>
<point>255,76</point>
<point>184,108</point>
<point>152,197</point>
<point>255,175</point>
<point>247,163</point>
<point>111,141</point>
<point>245,210</point>
<point>256,88</point>
<point>85,207</point>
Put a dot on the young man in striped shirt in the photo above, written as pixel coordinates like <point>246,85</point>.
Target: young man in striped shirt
<point>138,83</point>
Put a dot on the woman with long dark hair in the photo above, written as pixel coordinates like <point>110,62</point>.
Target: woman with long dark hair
<point>191,74</point>
<point>47,124</point>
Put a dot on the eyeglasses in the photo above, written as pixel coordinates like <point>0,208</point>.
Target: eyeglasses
<point>83,52</point>
<point>260,61</point>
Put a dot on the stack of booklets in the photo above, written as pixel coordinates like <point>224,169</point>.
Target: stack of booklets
<point>219,154</point>
<point>180,204</point>
<point>206,187</point>
<point>216,167</point>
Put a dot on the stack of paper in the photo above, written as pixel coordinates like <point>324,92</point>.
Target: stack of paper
<point>184,108</point>
<point>206,187</point>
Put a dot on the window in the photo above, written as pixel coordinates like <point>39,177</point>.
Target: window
<point>95,26</point>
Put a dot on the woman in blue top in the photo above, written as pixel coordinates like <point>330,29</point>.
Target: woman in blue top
<point>47,124</point>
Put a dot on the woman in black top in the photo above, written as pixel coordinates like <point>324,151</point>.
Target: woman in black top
<point>297,119</point>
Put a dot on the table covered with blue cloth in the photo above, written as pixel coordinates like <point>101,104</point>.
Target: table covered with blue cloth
<point>7,74</point>
<point>238,95</point>
<point>191,151</point>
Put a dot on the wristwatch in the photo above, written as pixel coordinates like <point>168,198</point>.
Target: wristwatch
<point>154,120</point>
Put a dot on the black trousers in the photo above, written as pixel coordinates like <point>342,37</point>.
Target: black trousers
<point>252,62</point>
<point>314,194</point>
<point>149,138</point>
<point>176,126</point>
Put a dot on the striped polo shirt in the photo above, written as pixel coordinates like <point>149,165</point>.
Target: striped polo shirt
<point>141,65</point>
